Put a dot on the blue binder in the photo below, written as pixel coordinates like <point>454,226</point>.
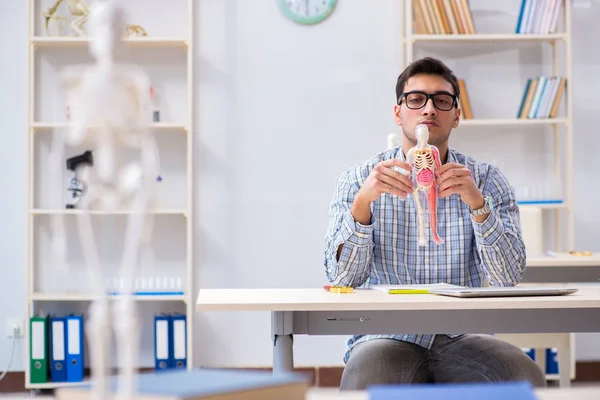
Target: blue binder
<point>162,342</point>
<point>75,341</point>
<point>58,355</point>
<point>179,341</point>
<point>552,366</point>
<point>552,361</point>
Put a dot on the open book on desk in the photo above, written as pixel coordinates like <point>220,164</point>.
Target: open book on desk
<point>413,289</point>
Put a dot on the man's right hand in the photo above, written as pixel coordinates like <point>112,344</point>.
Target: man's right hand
<point>382,179</point>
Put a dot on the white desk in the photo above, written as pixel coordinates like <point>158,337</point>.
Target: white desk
<point>318,312</point>
<point>584,393</point>
<point>557,268</point>
<point>563,268</point>
<point>564,260</point>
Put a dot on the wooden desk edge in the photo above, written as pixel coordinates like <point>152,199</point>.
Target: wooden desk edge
<point>576,301</point>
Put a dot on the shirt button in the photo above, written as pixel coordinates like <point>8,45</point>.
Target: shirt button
<point>486,235</point>
<point>492,284</point>
<point>426,225</point>
<point>427,259</point>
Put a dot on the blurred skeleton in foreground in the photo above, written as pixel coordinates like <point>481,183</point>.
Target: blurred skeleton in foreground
<point>109,112</point>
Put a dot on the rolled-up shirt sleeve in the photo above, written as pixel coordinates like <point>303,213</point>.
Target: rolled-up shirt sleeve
<point>499,238</point>
<point>354,263</point>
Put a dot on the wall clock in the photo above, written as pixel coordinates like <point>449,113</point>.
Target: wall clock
<point>307,12</point>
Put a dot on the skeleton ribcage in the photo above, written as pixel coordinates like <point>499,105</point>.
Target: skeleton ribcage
<point>424,160</point>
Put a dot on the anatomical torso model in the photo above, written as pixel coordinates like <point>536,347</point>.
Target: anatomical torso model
<point>424,159</point>
<point>110,115</point>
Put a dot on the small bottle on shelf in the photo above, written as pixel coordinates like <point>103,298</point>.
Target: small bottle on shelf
<point>155,112</point>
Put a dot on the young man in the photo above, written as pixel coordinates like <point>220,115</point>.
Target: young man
<point>373,238</point>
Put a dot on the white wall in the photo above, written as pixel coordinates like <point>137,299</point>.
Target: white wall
<point>287,109</point>
<point>281,110</point>
<point>13,233</point>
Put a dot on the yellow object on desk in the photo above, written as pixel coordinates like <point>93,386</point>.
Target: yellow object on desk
<point>339,289</point>
<point>580,253</point>
<point>408,291</point>
<point>413,288</point>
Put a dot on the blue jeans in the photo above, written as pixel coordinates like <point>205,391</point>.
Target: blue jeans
<point>467,358</point>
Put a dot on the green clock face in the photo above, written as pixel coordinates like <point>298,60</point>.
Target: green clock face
<point>307,12</point>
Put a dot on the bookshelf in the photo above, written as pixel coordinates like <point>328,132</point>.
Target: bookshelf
<point>441,24</point>
<point>165,286</point>
<point>452,24</point>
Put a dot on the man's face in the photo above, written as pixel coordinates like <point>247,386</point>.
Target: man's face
<point>439,122</point>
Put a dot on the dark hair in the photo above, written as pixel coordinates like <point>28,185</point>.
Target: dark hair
<point>427,65</point>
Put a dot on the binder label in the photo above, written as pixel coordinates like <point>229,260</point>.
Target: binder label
<point>162,342</point>
<point>179,339</point>
<point>58,341</point>
<point>73,329</point>
<point>38,341</point>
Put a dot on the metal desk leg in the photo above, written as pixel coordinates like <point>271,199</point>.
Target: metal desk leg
<point>283,341</point>
<point>283,353</point>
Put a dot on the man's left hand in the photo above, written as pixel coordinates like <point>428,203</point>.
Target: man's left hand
<point>454,178</point>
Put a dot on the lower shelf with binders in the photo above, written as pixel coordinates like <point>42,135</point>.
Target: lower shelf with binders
<point>170,342</point>
<point>59,349</point>
<point>552,367</point>
<point>56,349</point>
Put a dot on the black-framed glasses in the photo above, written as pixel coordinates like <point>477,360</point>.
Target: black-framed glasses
<point>417,99</point>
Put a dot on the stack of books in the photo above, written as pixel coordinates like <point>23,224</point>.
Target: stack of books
<point>432,17</point>
<point>541,97</point>
<point>538,16</point>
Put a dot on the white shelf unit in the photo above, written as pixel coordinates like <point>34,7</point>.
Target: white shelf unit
<point>172,241</point>
<point>564,236</point>
<point>562,173</point>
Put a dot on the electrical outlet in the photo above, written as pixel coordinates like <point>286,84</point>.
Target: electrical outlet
<point>18,322</point>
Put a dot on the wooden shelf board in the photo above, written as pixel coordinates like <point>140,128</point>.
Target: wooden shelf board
<point>512,121</point>
<point>61,41</point>
<point>63,125</point>
<point>53,385</point>
<point>90,297</point>
<point>544,205</point>
<point>163,211</point>
<point>489,37</point>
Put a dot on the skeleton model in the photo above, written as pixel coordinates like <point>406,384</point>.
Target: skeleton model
<point>79,9</point>
<point>110,114</point>
<point>136,30</point>
<point>59,21</point>
<point>424,160</point>
<point>392,141</point>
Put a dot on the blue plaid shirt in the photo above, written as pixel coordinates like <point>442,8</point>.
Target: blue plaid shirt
<point>386,251</point>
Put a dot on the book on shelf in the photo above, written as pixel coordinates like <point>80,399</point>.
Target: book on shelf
<point>538,16</point>
<point>438,17</point>
<point>541,97</point>
<point>463,101</point>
